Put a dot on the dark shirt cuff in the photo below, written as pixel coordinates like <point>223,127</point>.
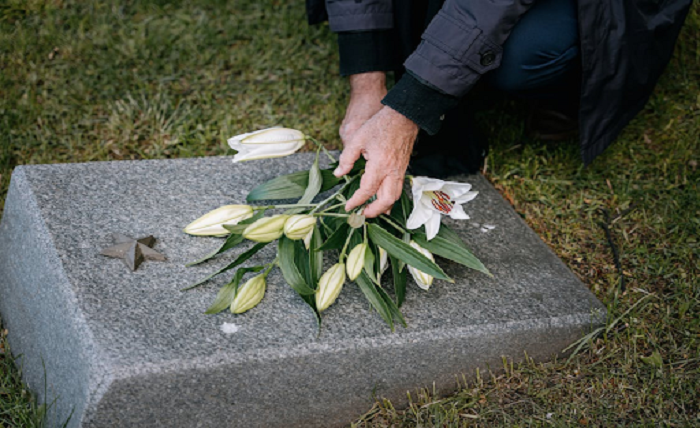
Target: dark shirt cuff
<point>423,104</point>
<point>365,51</point>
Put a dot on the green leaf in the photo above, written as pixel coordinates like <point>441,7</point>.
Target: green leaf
<point>356,168</point>
<point>399,275</point>
<point>289,269</point>
<point>401,209</point>
<point>301,259</point>
<point>315,183</point>
<point>228,292</point>
<point>369,265</point>
<point>369,289</point>
<point>315,256</point>
<point>290,186</point>
<point>289,264</point>
<point>237,262</point>
<point>337,239</point>
<point>311,301</point>
<point>449,249</point>
<point>405,252</point>
<point>351,189</point>
<point>393,308</point>
<point>231,241</point>
<point>447,233</point>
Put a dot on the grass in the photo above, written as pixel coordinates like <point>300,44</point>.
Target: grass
<point>90,80</point>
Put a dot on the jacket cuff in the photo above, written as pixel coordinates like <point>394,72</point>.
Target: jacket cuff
<point>418,101</point>
<point>366,51</point>
<point>453,55</point>
<point>362,15</point>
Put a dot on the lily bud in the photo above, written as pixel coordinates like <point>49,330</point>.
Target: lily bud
<point>422,279</point>
<point>383,261</point>
<point>266,143</point>
<point>212,223</point>
<point>249,295</point>
<point>299,226</point>
<point>356,261</point>
<point>267,229</point>
<point>329,286</point>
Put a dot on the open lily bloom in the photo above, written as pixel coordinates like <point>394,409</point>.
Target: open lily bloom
<point>266,143</point>
<point>433,198</point>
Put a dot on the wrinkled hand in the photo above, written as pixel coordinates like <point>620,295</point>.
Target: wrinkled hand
<point>366,93</point>
<point>386,142</point>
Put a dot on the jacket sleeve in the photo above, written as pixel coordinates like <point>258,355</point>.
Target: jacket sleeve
<point>360,15</point>
<point>464,41</point>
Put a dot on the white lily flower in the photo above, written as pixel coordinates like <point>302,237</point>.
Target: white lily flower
<point>212,223</point>
<point>422,279</point>
<point>266,143</point>
<point>433,198</point>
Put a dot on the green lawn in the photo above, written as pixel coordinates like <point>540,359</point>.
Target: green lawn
<point>83,80</point>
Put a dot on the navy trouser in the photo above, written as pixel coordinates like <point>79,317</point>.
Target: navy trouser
<point>541,55</point>
<point>540,63</point>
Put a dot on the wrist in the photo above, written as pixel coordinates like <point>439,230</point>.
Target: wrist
<point>368,84</point>
<point>400,119</point>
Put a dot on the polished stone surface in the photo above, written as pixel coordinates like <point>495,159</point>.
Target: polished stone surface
<point>126,348</point>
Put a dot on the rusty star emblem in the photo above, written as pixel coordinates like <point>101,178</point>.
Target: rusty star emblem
<point>133,251</point>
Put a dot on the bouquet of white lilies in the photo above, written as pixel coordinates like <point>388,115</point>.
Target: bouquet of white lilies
<point>404,240</point>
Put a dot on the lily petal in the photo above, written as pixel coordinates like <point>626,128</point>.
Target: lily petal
<point>274,136</point>
<point>428,184</point>
<point>458,213</point>
<point>456,190</point>
<point>432,226</point>
<point>418,217</point>
<point>466,197</point>
<point>266,151</point>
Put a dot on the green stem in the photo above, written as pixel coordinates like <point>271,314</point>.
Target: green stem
<point>331,197</point>
<point>330,215</point>
<point>272,207</point>
<point>345,247</point>
<point>330,156</point>
<point>332,207</point>
<point>391,222</point>
<point>320,146</point>
<point>270,266</point>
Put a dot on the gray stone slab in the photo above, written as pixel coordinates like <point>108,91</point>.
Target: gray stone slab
<point>124,349</point>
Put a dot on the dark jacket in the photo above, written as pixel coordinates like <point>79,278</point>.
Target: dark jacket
<point>625,45</point>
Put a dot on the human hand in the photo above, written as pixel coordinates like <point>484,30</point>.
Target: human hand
<point>385,141</point>
<point>366,93</point>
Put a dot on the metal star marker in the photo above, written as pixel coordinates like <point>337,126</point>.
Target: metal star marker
<point>133,251</point>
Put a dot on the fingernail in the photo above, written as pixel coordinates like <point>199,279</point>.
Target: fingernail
<point>337,172</point>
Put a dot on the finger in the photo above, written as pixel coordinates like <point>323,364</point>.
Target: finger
<point>369,184</point>
<point>351,153</point>
<point>388,193</point>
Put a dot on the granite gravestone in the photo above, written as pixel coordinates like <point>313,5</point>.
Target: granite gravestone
<point>117,348</point>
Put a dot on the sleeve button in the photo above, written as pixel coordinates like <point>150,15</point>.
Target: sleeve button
<point>487,58</point>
